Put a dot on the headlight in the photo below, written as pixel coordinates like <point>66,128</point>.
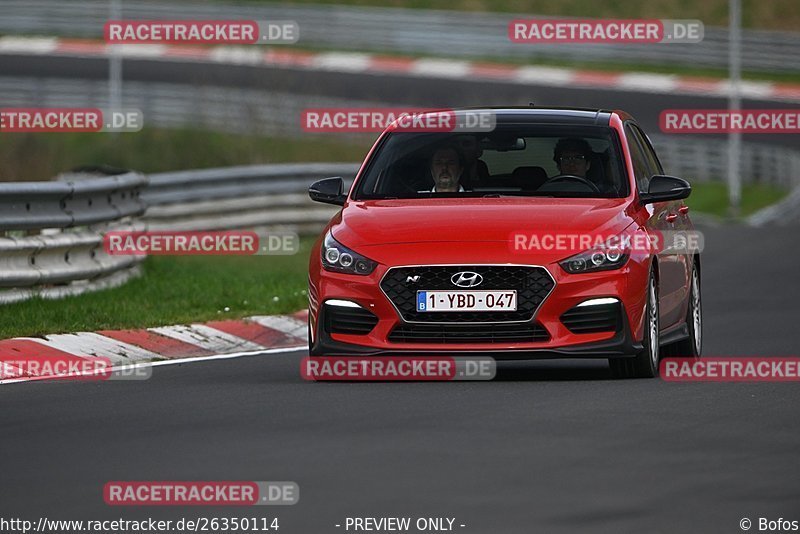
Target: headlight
<point>337,257</point>
<point>601,258</point>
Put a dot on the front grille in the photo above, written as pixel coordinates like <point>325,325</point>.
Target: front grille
<point>532,284</point>
<point>339,320</point>
<point>484,333</point>
<point>589,319</point>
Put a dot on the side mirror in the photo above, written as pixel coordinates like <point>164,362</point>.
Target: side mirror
<point>329,191</point>
<point>665,188</point>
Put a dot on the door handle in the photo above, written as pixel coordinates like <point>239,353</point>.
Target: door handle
<point>684,209</point>
<point>672,217</point>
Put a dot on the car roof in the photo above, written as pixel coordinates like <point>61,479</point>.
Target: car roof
<point>531,114</point>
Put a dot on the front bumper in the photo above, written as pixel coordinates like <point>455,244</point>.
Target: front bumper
<point>627,285</point>
<point>620,345</point>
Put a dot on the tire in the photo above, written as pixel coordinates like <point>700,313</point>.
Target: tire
<point>692,346</point>
<point>644,364</point>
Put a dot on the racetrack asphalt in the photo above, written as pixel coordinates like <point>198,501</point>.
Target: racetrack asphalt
<point>555,446</point>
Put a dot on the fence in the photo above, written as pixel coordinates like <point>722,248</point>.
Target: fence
<point>409,31</point>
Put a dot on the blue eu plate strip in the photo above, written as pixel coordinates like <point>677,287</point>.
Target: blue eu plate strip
<point>422,296</point>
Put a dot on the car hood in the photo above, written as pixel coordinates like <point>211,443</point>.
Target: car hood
<point>387,222</point>
<point>388,228</point>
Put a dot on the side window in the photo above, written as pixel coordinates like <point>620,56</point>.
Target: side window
<point>649,153</point>
<point>641,169</point>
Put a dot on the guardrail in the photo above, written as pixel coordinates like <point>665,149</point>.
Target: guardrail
<point>254,196</point>
<point>409,31</point>
<point>51,234</point>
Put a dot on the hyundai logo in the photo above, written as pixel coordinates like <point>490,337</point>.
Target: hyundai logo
<point>466,279</point>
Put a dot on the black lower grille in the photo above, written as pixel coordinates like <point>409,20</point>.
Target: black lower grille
<point>532,284</point>
<point>484,333</point>
<point>589,319</point>
<point>340,320</point>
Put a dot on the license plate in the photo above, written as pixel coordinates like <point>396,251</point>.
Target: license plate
<point>434,301</point>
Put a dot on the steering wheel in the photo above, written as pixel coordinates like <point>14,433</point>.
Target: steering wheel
<point>572,178</point>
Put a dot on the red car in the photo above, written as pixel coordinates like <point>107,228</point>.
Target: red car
<point>544,237</point>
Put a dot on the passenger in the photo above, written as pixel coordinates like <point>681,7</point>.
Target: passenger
<point>475,170</point>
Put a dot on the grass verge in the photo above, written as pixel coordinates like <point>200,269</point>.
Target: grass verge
<point>712,198</point>
<point>173,290</point>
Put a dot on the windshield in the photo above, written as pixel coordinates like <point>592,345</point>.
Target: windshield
<point>520,160</point>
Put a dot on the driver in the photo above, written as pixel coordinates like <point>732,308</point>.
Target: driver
<point>447,164</point>
<point>572,155</point>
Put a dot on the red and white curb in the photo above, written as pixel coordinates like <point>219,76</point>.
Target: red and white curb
<point>178,344</point>
<point>426,67</point>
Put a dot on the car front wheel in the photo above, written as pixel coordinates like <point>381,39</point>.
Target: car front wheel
<point>692,346</point>
<point>645,364</point>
